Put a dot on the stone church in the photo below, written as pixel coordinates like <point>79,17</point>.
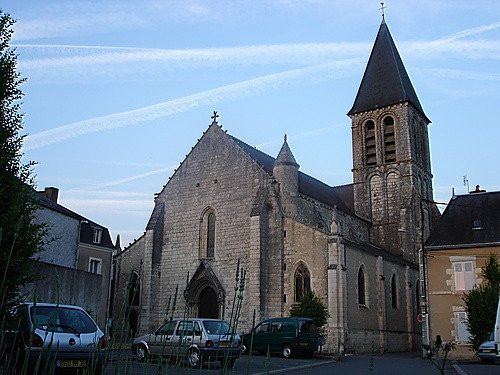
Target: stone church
<point>356,246</point>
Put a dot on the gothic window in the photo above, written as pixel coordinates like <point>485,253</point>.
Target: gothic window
<point>361,286</point>
<point>370,146</point>
<point>210,235</point>
<point>389,140</point>
<point>394,292</point>
<point>207,234</point>
<point>302,281</point>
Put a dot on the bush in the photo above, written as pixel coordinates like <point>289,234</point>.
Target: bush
<point>310,306</point>
<point>481,303</point>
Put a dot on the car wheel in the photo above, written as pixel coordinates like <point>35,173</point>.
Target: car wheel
<point>142,353</point>
<point>287,351</point>
<point>244,349</point>
<point>193,358</point>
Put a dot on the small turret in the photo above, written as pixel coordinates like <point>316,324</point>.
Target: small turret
<point>286,172</point>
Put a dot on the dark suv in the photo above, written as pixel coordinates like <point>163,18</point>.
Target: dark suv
<point>283,335</point>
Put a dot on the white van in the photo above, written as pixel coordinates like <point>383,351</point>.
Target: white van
<point>496,333</point>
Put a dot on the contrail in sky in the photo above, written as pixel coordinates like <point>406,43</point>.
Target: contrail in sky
<point>333,70</point>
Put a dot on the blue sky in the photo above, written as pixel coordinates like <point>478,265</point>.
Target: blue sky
<point>119,91</point>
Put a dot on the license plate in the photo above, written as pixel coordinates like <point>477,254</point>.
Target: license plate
<point>488,351</point>
<point>72,363</point>
<point>223,344</point>
<point>304,344</point>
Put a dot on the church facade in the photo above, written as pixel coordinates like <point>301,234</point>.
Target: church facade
<point>356,246</point>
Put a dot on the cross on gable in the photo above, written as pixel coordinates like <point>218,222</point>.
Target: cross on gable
<point>214,117</point>
<point>382,8</point>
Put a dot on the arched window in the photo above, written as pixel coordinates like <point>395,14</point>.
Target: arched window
<point>207,234</point>
<point>370,146</point>
<point>361,286</point>
<point>210,235</point>
<point>302,281</point>
<point>389,140</point>
<point>417,295</point>
<point>394,292</point>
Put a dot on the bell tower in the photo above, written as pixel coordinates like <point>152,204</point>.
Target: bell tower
<point>391,158</point>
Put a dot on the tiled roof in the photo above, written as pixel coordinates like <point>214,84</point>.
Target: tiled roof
<point>385,81</point>
<point>308,186</point>
<point>468,220</point>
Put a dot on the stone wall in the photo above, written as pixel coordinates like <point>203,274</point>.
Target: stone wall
<point>67,286</point>
<point>219,174</point>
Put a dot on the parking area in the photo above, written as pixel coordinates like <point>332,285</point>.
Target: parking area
<point>244,365</point>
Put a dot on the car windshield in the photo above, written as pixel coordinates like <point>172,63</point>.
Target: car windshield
<point>216,327</point>
<point>61,319</point>
<point>492,336</point>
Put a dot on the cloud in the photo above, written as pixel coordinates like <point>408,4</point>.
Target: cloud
<point>62,61</point>
<point>298,136</point>
<point>462,74</point>
<point>333,70</point>
<point>124,180</point>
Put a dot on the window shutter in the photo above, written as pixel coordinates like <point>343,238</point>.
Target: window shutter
<point>469,276</point>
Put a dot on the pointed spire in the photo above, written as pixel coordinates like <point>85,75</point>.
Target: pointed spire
<point>117,243</point>
<point>285,155</point>
<point>385,81</point>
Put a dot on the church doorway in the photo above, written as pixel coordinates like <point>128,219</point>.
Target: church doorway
<point>209,305</point>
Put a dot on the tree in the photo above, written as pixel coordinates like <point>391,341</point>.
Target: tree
<point>310,306</point>
<point>20,237</point>
<point>481,303</point>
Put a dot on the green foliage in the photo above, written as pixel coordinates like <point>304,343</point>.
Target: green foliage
<point>481,303</point>
<point>20,238</point>
<point>310,306</point>
<point>437,353</point>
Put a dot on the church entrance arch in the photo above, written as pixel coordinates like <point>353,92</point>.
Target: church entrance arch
<point>208,306</point>
<point>205,294</point>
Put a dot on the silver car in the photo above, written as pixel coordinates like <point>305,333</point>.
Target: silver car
<point>47,337</point>
<point>197,340</point>
<point>487,351</point>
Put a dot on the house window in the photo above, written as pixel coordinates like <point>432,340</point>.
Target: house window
<point>462,333</point>
<point>464,275</point>
<point>97,235</point>
<point>370,146</point>
<point>361,287</point>
<point>95,265</point>
<point>389,140</point>
<point>394,292</point>
<point>302,282</point>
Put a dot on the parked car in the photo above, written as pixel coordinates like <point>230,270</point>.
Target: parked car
<point>197,340</point>
<point>487,351</point>
<point>283,335</point>
<point>49,338</point>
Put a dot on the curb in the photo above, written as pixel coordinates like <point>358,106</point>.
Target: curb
<point>458,369</point>
<point>296,368</point>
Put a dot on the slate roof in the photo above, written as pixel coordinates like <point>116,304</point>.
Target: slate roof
<point>308,185</point>
<point>86,225</point>
<point>455,227</point>
<point>385,81</point>
<point>285,156</point>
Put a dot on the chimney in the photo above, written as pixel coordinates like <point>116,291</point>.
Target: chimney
<point>478,190</point>
<point>52,193</point>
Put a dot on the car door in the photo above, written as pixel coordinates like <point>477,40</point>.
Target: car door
<point>161,341</point>
<point>261,337</point>
<point>183,337</point>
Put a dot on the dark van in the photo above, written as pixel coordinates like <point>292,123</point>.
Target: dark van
<point>283,335</point>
